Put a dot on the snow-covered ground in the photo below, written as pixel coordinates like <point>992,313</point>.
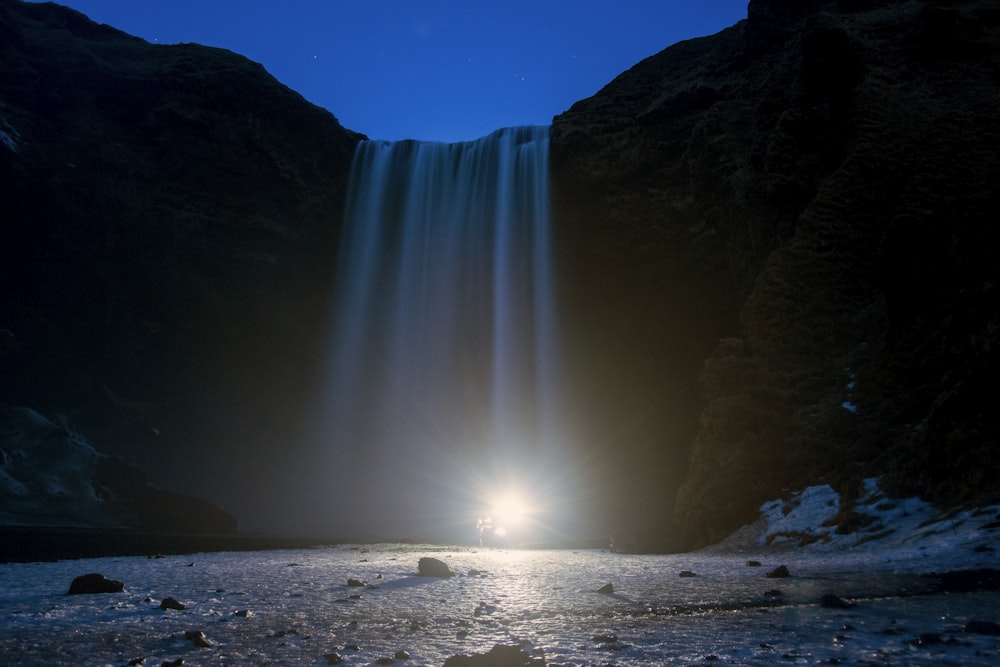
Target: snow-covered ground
<point>296,607</point>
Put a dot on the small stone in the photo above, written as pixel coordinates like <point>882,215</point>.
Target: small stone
<point>779,572</point>
<point>687,573</point>
<point>605,639</point>
<point>773,593</point>
<point>333,658</point>
<point>173,663</point>
<point>243,613</point>
<point>171,603</point>
<point>401,655</point>
<point>197,637</point>
<point>833,602</point>
<point>484,608</point>
<point>384,661</point>
<point>134,662</point>
<point>982,628</point>
<point>356,582</point>
<point>355,596</point>
<point>753,563</point>
<point>928,639</point>
<point>95,583</point>
<point>606,589</point>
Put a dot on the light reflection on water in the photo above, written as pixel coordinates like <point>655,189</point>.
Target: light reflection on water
<point>302,608</point>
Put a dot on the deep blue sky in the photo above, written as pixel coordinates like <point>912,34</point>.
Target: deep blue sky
<point>437,70</point>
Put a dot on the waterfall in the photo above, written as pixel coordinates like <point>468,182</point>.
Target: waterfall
<point>442,363</point>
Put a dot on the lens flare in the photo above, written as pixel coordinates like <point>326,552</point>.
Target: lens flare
<point>510,509</point>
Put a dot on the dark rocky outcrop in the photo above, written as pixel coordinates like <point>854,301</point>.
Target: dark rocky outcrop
<point>823,176</point>
<point>168,234</point>
<point>52,476</point>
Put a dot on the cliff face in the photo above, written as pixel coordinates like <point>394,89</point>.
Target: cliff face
<point>775,258</point>
<point>168,230</point>
<point>51,476</point>
<point>834,170</point>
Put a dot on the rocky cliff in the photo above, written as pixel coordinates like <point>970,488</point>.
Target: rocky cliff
<point>775,257</point>
<point>833,168</point>
<point>169,221</point>
<point>51,476</point>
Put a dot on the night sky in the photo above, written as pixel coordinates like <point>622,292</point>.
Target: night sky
<point>438,70</point>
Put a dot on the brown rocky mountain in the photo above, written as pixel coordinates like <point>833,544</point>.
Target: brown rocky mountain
<point>775,251</point>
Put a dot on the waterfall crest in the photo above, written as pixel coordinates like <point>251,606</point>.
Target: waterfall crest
<point>442,360</point>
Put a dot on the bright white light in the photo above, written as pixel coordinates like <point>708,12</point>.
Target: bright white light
<point>510,509</point>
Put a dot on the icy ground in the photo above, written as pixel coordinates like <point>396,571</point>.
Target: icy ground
<point>295,607</point>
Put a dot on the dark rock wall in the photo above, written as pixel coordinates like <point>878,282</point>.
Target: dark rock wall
<point>775,250</point>
<point>168,231</point>
<point>834,170</point>
<point>51,476</point>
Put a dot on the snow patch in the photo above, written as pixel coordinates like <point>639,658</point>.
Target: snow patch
<point>876,525</point>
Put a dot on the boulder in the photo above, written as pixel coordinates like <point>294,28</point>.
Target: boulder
<point>432,567</point>
<point>779,572</point>
<point>95,583</point>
